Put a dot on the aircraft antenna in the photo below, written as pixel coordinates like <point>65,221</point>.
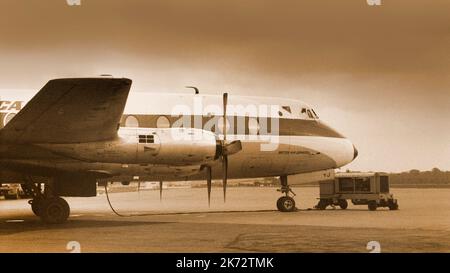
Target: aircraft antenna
<point>195,89</point>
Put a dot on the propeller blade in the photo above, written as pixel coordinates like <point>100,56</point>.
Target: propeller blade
<point>232,148</point>
<point>225,103</point>
<point>224,176</point>
<point>208,180</point>
<point>160,190</point>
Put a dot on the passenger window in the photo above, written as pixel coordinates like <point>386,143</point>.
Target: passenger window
<point>131,121</point>
<point>8,118</point>
<point>310,115</point>
<point>162,122</point>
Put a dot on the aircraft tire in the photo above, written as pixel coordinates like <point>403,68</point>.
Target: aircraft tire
<point>343,203</point>
<point>322,204</point>
<point>279,203</point>
<point>393,206</point>
<point>372,205</point>
<point>286,204</point>
<point>54,210</point>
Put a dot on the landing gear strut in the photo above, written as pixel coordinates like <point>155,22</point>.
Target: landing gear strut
<point>286,203</point>
<point>50,208</point>
<point>35,205</point>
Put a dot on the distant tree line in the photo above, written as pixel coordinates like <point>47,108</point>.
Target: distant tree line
<point>435,176</point>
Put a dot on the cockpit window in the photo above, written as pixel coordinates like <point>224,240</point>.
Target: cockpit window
<point>315,115</point>
<point>287,108</point>
<point>308,113</point>
<point>303,113</point>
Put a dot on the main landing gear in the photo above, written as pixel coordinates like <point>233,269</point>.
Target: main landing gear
<point>286,203</point>
<point>50,208</point>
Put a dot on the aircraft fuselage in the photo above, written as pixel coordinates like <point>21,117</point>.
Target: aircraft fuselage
<point>151,146</point>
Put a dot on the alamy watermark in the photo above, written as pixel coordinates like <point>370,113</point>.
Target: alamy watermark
<point>373,2</point>
<point>374,247</point>
<point>78,2</point>
<point>73,247</point>
<point>73,2</point>
<point>250,122</point>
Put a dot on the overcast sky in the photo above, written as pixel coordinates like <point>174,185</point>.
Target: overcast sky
<point>378,74</point>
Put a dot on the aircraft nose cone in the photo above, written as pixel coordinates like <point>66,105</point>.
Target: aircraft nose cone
<point>355,152</point>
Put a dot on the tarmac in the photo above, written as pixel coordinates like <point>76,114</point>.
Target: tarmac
<point>247,222</point>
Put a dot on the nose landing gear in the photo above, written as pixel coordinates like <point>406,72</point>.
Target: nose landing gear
<point>286,203</point>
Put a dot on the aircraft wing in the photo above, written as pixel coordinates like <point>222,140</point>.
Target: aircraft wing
<point>70,111</point>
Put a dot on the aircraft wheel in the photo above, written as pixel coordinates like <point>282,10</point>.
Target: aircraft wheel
<point>372,205</point>
<point>393,206</point>
<point>323,204</point>
<point>279,207</point>
<point>54,210</point>
<point>286,204</point>
<point>343,203</point>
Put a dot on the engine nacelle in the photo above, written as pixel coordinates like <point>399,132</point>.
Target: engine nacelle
<point>174,146</point>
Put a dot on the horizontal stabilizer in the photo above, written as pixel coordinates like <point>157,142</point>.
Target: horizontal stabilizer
<point>70,111</point>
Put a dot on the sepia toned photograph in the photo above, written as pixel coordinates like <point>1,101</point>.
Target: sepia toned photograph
<point>211,126</point>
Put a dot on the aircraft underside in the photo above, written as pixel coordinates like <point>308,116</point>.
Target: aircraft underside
<point>70,177</point>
